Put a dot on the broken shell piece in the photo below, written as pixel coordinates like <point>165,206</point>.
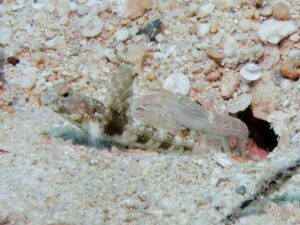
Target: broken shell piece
<point>177,83</point>
<point>290,70</point>
<point>122,35</point>
<point>250,72</point>
<point>239,104</point>
<point>203,29</point>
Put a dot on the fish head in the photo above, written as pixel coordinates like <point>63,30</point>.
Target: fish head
<point>71,105</point>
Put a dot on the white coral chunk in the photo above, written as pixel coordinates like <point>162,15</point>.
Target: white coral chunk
<point>273,31</point>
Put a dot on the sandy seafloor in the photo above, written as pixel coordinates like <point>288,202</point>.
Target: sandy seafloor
<point>46,180</point>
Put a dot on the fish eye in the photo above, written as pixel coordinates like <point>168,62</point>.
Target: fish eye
<point>65,94</point>
<point>64,91</point>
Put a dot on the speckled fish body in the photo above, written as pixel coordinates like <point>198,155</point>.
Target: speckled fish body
<point>112,121</point>
<point>115,121</point>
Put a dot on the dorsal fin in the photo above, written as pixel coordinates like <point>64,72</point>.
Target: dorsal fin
<point>120,89</point>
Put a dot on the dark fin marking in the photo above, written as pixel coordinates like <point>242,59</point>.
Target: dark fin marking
<point>116,124</point>
<point>142,139</point>
<point>165,145</point>
<point>167,142</point>
<point>187,148</point>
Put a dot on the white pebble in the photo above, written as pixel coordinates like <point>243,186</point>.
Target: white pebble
<point>244,87</point>
<point>246,24</point>
<point>286,85</point>
<point>122,35</point>
<point>239,104</point>
<point>274,31</point>
<point>250,72</point>
<point>203,29</point>
<point>128,203</point>
<point>54,42</point>
<point>159,37</point>
<point>177,83</point>
<point>206,10</point>
<point>193,7</point>
<point>90,25</point>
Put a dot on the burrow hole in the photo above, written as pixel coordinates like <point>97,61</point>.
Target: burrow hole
<point>260,130</point>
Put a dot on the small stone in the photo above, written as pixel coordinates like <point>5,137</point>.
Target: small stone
<point>246,24</point>
<point>136,8</point>
<point>151,29</point>
<point>206,9</point>
<point>193,29</point>
<point>203,29</point>
<point>266,10</point>
<point>290,70</point>
<point>177,83</point>
<point>150,76</point>
<point>90,25</point>
<point>122,35</point>
<point>159,37</point>
<point>12,60</point>
<point>215,54</point>
<point>214,26</point>
<point>229,84</point>
<point>199,86</point>
<point>286,85</point>
<point>239,104</point>
<point>273,31</point>
<point>281,11</point>
<point>196,68</point>
<point>213,76</point>
<point>250,72</point>
<point>55,42</point>
<point>248,13</point>
<point>37,57</point>
<point>241,190</point>
<point>193,8</point>
<point>128,203</point>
